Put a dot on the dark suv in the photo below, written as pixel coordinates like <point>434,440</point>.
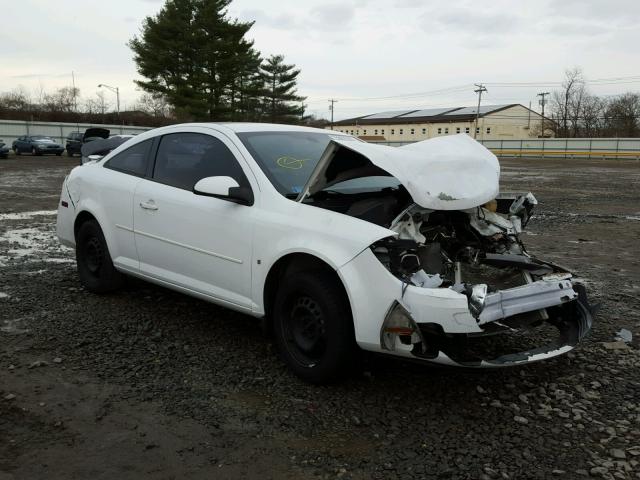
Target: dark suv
<point>74,143</point>
<point>75,140</point>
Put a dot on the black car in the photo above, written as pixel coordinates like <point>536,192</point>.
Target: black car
<point>4,150</point>
<point>75,140</point>
<point>36,145</point>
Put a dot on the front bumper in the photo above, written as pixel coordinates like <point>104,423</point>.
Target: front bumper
<point>524,324</point>
<point>45,150</point>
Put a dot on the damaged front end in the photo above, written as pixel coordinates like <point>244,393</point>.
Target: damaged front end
<point>525,309</point>
<point>468,293</point>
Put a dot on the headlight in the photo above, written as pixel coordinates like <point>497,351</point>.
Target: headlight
<point>399,329</point>
<point>477,297</point>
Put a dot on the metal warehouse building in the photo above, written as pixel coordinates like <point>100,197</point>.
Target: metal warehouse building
<point>495,122</point>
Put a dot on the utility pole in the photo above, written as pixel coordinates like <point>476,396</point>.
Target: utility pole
<point>542,102</point>
<point>481,88</point>
<point>302,105</point>
<point>331,108</point>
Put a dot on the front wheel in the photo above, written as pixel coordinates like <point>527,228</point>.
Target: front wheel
<point>34,152</point>
<point>313,327</point>
<point>95,268</point>
<point>17,151</point>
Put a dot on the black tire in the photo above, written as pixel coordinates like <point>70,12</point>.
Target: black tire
<point>313,327</point>
<point>17,151</point>
<point>58,154</point>
<point>34,152</point>
<point>69,153</point>
<point>95,268</point>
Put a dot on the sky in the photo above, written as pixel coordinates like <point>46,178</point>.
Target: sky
<point>370,55</point>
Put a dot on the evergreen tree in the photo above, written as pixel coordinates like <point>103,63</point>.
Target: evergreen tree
<point>281,102</point>
<point>194,56</point>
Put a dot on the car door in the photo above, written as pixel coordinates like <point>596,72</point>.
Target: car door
<point>113,190</point>
<point>196,242</point>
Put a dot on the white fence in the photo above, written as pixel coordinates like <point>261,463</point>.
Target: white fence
<point>12,129</point>
<point>560,147</point>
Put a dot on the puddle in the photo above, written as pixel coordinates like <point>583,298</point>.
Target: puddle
<point>27,215</point>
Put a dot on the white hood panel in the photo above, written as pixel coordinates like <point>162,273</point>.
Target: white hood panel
<point>444,173</point>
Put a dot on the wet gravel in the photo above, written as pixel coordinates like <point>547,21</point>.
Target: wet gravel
<point>147,383</point>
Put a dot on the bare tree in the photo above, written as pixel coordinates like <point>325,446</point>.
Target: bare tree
<point>622,116</point>
<point>566,102</point>
<point>62,100</point>
<point>155,105</point>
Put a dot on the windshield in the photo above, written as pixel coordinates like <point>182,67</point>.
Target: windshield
<point>286,158</point>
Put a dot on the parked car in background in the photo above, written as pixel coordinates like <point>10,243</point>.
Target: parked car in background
<point>4,150</point>
<point>340,244</point>
<point>36,145</point>
<point>74,143</point>
<point>75,140</point>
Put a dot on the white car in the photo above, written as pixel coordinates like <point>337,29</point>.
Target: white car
<point>408,251</point>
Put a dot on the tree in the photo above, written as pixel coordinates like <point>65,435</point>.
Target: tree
<point>155,105</point>
<point>194,56</point>
<point>280,90</point>
<point>566,103</point>
<point>623,116</point>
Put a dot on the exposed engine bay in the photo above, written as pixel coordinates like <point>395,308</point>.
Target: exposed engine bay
<point>476,252</point>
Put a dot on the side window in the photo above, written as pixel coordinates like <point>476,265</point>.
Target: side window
<point>185,158</point>
<point>133,160</point>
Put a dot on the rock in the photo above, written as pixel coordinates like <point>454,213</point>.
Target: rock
<point>480,390</point>
<point>618,453</point>
<point>520,419</point>
<point>9,396</point>
<point>57,360</point>
<point>523,398</point>
<point>617,345</point>
<point>38,363</point>
<point>558,472</point>
<point>598,471</point>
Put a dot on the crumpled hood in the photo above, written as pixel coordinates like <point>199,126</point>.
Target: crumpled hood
<point>444,173</point>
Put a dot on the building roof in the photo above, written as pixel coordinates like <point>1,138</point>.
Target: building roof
<point>429,115</point>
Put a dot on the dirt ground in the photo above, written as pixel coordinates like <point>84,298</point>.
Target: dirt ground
<point>148,383</point>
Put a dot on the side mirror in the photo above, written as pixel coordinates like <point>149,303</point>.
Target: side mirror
<point>224,187</point>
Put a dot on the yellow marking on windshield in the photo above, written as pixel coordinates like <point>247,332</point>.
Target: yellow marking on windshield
<point>290,162</point>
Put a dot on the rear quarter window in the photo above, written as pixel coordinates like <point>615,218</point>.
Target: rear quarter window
<point>134,160</point>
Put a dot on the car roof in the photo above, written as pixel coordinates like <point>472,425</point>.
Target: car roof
<point>242,127</point>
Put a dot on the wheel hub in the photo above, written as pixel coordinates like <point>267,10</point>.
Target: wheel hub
<point>307,329</point>
<point>94,254</point>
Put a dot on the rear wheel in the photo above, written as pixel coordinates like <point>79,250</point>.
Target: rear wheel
<point>17,151</point>
<point>69,153</point>
<point>95,268</point>
<point>313,327</point>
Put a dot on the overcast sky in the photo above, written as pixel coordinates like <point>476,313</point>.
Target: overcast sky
<point>351,50</point>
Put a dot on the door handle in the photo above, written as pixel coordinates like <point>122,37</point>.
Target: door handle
<point>149,205</point>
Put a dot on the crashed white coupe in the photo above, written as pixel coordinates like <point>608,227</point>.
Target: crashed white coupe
<point>337,243</point>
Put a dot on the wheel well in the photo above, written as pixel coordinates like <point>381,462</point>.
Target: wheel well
<point>295,262</point>
<point>80,219</point>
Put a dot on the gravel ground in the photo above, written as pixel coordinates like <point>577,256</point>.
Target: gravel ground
<point>147,383</point>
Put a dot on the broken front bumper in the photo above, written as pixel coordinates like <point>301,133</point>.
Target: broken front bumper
<point>533,322</point>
